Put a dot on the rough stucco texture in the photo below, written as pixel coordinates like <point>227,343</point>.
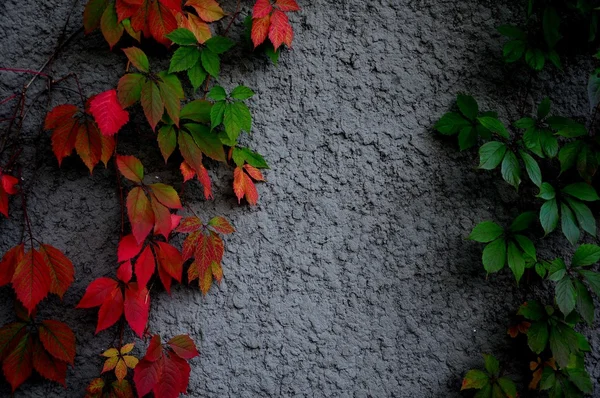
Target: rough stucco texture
<point>352,276</point>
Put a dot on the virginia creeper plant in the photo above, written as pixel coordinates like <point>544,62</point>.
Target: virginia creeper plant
<point>207,125</point>
<point>551,161</point>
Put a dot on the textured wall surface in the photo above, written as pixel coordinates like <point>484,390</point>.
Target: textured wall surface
<point>352,276</point>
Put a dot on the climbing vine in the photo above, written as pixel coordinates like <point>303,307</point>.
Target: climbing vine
<point>208,124</point>
<point>552,162</point>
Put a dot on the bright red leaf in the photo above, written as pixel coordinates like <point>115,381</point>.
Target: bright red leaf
<point>145,266</point>
<point>97,292</point>
<point>260,30</point>
<point>110,310</point>
<point>154,18</point>
<point>137,307</point>
<point>108,113</point>
<point>262,8</point>
<point>287,5</point>
<point>128,248</point>
<point>7,187</point>
<point>280,31</point>
<point>125,271</point>
<point>9,263</point>
<point>271,21</point>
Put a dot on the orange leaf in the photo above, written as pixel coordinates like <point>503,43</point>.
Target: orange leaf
<point>254,172</point>
<point>208,10</point>
<point>287,5</point>
<point>204,179</point>
<point>261,8</point>
<point>131,168</point>
<point>189,224</point>
<point>199,28</point>
<point>187,172</point>
<point>220,224</point>
<point>260,30</point>
<point>121,370</point>
<point>280,30</point>
<point>32,280</point>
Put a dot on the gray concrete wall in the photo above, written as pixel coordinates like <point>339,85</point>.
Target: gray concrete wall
<point>351,277</point>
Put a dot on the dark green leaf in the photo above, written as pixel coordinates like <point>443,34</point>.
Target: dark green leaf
<point>557,270</point>
<point>523,221</point>
<point>236,118</point>
<point>569,224</point>
<point>537,336</point>
<point>513,50</point>
<point>535,59</point>
<point>491,364</point>
<point>527,246</point>
<point>207,141</point>
<point>585,303</point>
<point>544,108</point>
<point>592,278</point>
<point>532,168</point>
<point>508,387</point>
<point>511,170</point>
<point>541,269</point>
<point>566,127</point>
<point>566,297</point>
<point>486,231</point>
<point>219,44</point>
<point>494,125</point>
<point>551,25</point>
<point>197,75</point>
<point>242,93</point>
<point>216,114</point>
<point>451,123</point>
<point>563,342</point>
<point>494,256</point>
<point>532,310</point>
<point>467,138</point>
<point>491,154</point>
<point>183,59</point>
<point>587,162</point>
<point>593,89</point>
<point>568,155</point>
<point>217,93</point>
<point>586,254</point>
<point>197,110</point>
<point>211,62</point>
<point>254,159</point>
<point>516,262</point>
<point>581,191</point>
<point>549,143</point>
<point>511,32</point>
<point>468,106</point>
<point>584,216</point>
<point>525,123</point>
<point>548,379</point>
<point>549,216</point>
<point>167,141</point>
<point>183,37</point>
<point>581,378</point>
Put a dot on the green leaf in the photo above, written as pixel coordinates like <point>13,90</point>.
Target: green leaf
<point>197,75</point>
<point>532,310</point>
<point>551,24</point>
<point>535,59</point>
<point>549,216</point>
<point>467,138</point>
<point>130,88</point>
<point>468,106</point>
<point>544,108</point>
<point>557,270</point>
<point>581,378</point>
<point>512,32</point>
<point>585,303</point>
<point>272,53</point>
<point>527,246</point>
<point>485,392</point>
<point>566,127</point>
<point>494,256</point>
<point>236,118</point>
<point>216,114</point>
<point>523,221</point>
<point>566,297</point>
<point>491,154</point>
<point>546,192</point>
<point>584,216</point>
<point>476,379</point>
<point>182,37</point>
<point>511,170</point>
<point>586,254</point>
<point>211,62</point>
<point>183,59</point>
<point>171,93</point>
<point>593,89</point>
<point>592,278</point>
<point>524,123</point>
<point>254,159</point>
<point>532,168</point>
<point>537,336</point>
<point>152,103</point>
<point>197,110</point>
<point>563,342</point>
<point>167,141</point>
<point>207,141</point>
<point>581,191</point>
<point>508,387</point>
<point>242,93</point>
<point>486,231</point>
<point>587,162</point>
<point>549,143</point>
<point>554,58</point>
<point>491,364</point>
<point>541,270</point>
<point>532,141</point>
<point>569,224</point>
<point>513,50</point>
<point>217,93</point>
<point>138,58</point>
<point>516,262</point>
<point>548,379</point>
<point>494,125</point>
<point>451,123</point>
<point>219,44</point>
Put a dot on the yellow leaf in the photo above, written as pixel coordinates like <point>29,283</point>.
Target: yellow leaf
<point>111,352</point>
<point>127,348</point>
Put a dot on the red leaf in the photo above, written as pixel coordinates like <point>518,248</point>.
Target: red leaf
<point>9,183</point>
<point>92,14</point>
<point>140,214</point>
<point>18,365</point>
<point>243,186</point>
<point>189,245</point>
<point>254,172</point>
<point>260,30</point>
<point>220,224</point>
<point>144,267</point>
<point>208,10</point>
<point>108,148</point>
<point>162,217</point>
<point>61,269</point>
<point>184,371</point>
<point>97,292</point>
<point>152,103</point>
<point>187,172</point>
<point>154,350</point>
<point>165,279</point>
<point>9,263</point>
<point>280,30</point>
<point>183,346</point>
<point>145,376</point>
<point>95,387</point>
<point>155,18</point>
<point>138,58</point>
<point>58,340</point>
<point>261,8</point>
<point>189,224</point>
<point>108,113</point>
<point>131,168</point>
<point>125,271</point>
<point>128,248</point>
<point>46,365</point>
<point>31,280</point>
<point>137,307</point>
<point>65,128</point>
<point>170,260</point>
<point>170,383</point>
<point>287,5</point>
<point>204,179</point>
<point>10,335</point>
<point>166,195</point>
<point>111,310</point>
<point>88,144</point>
<point>161,21</point>
<point>190,151</point>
